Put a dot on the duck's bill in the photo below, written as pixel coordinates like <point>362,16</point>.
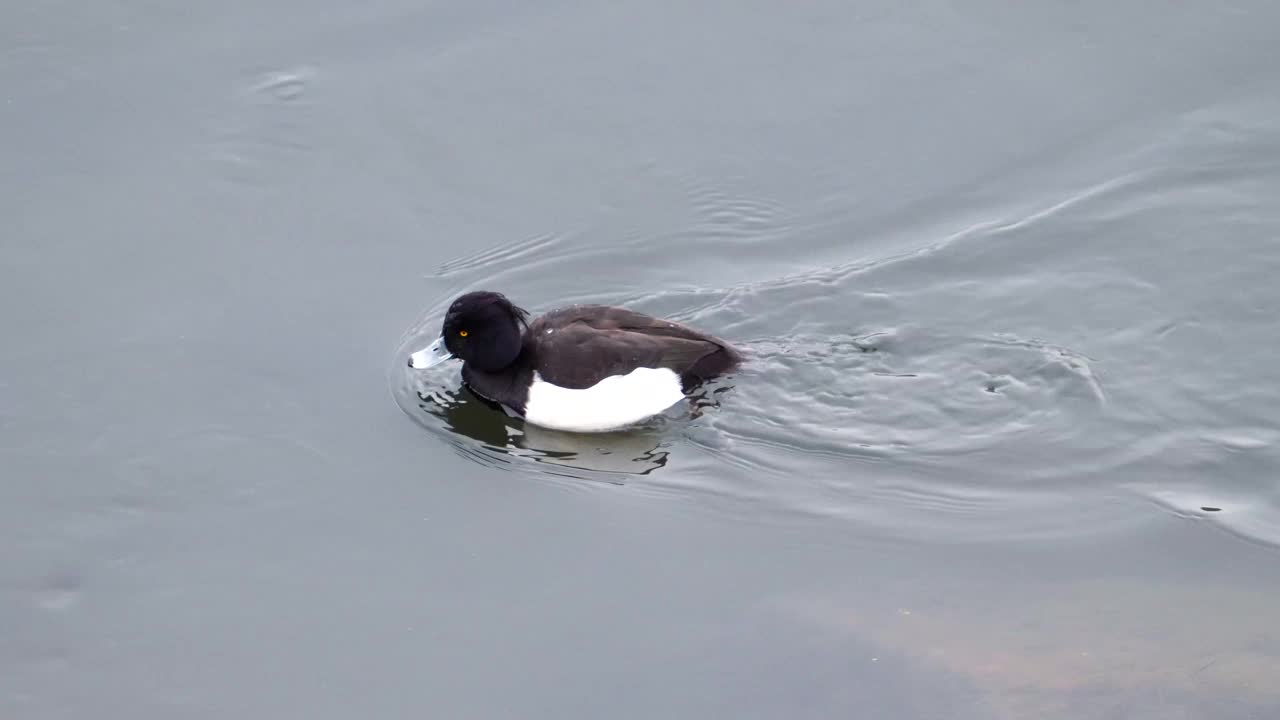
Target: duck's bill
<point>429,357</point>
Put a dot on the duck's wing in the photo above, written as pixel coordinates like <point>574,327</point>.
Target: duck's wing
<point>578,347</point>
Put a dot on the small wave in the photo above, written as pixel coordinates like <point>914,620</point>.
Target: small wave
<point>1009,374</point>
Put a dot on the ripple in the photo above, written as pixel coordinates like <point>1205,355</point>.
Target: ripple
<point>913,405</point>
<point>483,433</point>
<point>264,129</point>
<point>1022,371</point>
<point>907,390</point>
<point>60,592</point>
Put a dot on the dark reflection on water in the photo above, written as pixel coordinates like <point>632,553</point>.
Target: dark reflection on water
<point>485,432</point>
<point>482,430</point>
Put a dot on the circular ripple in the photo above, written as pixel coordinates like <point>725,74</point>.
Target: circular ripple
<point>482,432</point>
<point>936,382</point>
<point>909,391</point>
<point>811,416</point>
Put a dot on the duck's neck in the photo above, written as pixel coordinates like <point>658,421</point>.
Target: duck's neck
<point>509,386</point>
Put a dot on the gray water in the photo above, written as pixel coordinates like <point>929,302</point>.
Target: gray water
<point>1006,445</point>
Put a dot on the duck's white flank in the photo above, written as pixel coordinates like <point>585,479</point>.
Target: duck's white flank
<point>614,402</point>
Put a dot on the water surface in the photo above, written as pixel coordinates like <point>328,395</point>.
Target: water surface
<point>1005,445</point>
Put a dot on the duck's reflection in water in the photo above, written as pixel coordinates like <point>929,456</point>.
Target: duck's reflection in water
<point>485,432</point>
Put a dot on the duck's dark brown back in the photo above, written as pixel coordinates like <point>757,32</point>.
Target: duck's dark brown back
<point>578,346</point>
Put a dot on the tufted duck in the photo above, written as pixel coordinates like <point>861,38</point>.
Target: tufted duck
<point>584,368</point>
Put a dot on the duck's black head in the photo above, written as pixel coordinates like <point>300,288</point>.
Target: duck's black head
<point>485,330</point>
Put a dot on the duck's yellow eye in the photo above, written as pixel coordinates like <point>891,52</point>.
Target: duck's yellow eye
<point>462,333</point>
